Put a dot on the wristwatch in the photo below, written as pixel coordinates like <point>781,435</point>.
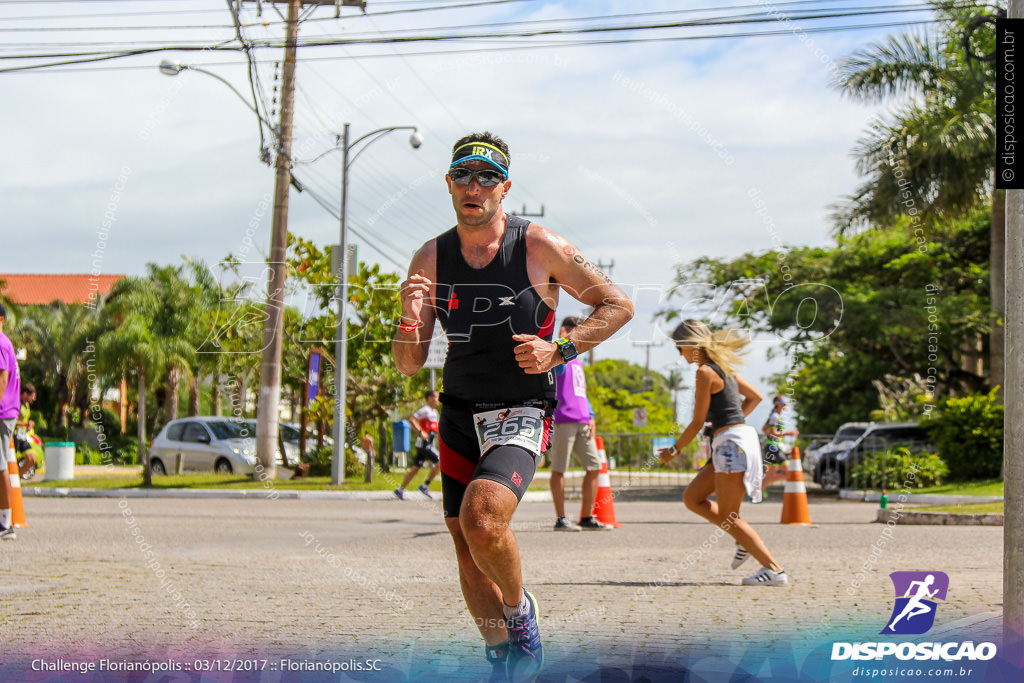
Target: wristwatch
<point>566,348</point>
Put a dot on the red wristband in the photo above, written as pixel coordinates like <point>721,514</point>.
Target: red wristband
<point>410,327</point>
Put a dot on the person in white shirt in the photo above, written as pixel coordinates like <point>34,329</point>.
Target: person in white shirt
<point>424,423</point>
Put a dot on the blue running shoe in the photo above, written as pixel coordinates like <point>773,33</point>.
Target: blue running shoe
<point>400,493</point>
<point>525,651</point>
<point>497,655</point>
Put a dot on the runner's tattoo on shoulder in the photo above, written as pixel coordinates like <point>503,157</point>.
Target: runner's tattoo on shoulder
<point>587,265</point>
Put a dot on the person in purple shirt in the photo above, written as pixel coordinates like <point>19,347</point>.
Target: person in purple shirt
<point>10,404</point>
<point>573,435</point>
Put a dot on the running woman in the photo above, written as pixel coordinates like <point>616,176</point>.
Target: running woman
<point>724,399</point>
<point>493,282</point>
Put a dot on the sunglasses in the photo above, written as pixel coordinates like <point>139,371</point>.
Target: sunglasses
<point>486,178</point>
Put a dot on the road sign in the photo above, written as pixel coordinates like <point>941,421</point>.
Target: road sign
<point>639,417</point>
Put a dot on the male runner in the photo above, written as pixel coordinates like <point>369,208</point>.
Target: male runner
<point>493,282</point>
<point>424,421</point>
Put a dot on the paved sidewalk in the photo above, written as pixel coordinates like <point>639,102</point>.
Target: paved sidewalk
<point>321,580</point>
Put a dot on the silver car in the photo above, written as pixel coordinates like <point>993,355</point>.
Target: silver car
<point>221,444</point>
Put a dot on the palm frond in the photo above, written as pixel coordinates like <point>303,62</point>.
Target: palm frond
<point>907,64</point>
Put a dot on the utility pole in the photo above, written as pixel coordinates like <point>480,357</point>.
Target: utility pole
<point>273,327</point>
<point>647,363</point>
<point>529,215</point>
<point>1013,393</point>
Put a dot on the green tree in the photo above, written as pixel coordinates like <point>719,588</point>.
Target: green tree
<point>128,346</point>
<point>968,432</point>
<point>174,323</point>
<point>931,158</point>
<point>877,303</point>
<point>55,338</point>
<point>374,385</point>
<point>230,333</point>
<point>208,294</point>
<point>617,387</point>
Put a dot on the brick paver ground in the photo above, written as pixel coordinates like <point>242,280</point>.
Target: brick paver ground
<point>190,581</point>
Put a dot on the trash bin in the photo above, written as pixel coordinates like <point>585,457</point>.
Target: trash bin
<point>401,437</point>
<point>60,461</point>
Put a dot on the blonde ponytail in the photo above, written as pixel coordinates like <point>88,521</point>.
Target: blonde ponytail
<point>723,348</point>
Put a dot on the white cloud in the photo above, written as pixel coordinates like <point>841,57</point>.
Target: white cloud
<point>625,174</point>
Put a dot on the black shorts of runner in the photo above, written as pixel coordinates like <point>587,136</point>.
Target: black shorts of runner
<point>21,445</point>
<point>511,466</point>
<point>425,454</point>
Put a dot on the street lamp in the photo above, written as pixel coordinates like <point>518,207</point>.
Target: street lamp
<point>273,325</point>
<point>172,67</point>
<point>341,347</point>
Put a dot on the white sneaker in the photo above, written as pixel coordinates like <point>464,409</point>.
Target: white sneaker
<point>766,577</point>
<point>563,524</point>
<point>740,557</point>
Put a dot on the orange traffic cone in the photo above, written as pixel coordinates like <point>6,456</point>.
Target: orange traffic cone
<point>604,506</point>
<point>794,501</point>
<point>17,508</point>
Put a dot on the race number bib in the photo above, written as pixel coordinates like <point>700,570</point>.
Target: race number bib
<point>521,426</point>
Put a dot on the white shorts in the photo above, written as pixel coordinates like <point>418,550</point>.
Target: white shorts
<point>737,449</point>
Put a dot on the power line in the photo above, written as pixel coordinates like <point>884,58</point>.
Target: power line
<point>500,47</point>
<point>554,37</point>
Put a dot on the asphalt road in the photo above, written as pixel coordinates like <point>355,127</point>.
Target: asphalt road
<point>311,583</point>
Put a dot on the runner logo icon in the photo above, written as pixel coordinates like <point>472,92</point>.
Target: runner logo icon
<point>914,610</point>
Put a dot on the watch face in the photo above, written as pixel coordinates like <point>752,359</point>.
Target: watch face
<point>568,350</point>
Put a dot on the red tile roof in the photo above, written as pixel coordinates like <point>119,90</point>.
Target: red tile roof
<point>33,288</point>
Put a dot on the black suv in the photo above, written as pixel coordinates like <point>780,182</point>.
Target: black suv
<point>854,440</point>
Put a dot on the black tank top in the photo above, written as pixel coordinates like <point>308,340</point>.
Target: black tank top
<point>726,405</point>
<point>480,309</point>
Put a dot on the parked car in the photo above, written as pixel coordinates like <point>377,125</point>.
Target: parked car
<point>221,444</point>
<point>811,453</point>
<point>841,440</point>
<point>854,440</point>
<point>290,439</point>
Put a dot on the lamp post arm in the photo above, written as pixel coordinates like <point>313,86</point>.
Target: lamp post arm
<point>379,132</point>
<point>233,89</point>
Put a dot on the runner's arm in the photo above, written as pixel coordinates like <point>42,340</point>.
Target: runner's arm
<point>700,414</point>
<point>751,396</point>
<point>554,255</point>
<point>410,345</point>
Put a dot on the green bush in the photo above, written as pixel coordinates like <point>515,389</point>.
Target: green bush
<point>968,433</point>
<point>899,464</point>
<point>124,449</point>
<point>87,455</point>
<point>319,460</point>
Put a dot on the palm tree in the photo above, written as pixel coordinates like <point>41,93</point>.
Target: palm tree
<point>933,156</point>
<point>675,381</point>
<point>174,322</point>
<point>55,338</point>
<point>128,346</point>
<point>229,334</point>
<point>207,292</point>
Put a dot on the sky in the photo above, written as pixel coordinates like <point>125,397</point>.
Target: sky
<point>644,155</point>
